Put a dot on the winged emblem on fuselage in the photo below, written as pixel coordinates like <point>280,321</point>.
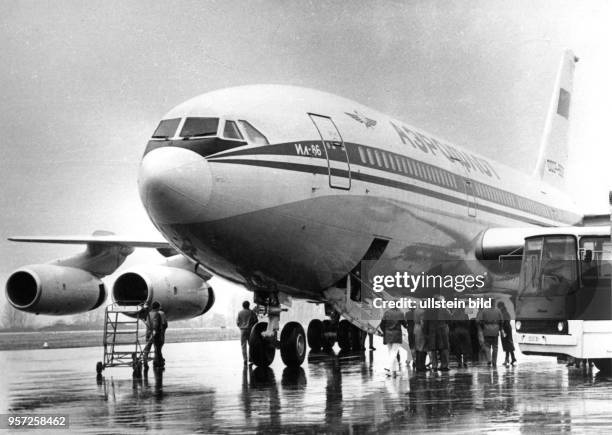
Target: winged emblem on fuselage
<point>362,119</point>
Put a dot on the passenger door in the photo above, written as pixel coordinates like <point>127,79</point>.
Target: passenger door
<point>337,158</point>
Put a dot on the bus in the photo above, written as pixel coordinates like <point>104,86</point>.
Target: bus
<point>564,304</point>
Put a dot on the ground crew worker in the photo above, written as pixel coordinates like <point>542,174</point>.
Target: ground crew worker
<point>245,321</point>
<point>143,315</point>
<point>157,323</point>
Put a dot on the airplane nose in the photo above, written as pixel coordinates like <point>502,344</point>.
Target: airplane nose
<point>175,185</point>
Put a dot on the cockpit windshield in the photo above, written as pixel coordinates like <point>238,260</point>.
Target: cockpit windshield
<point>199,127</point>
<point>254,136</point>
<point>166,128</point>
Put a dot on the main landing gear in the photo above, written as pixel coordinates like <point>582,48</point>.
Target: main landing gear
<point>263,340</point>
<point>323,334</point>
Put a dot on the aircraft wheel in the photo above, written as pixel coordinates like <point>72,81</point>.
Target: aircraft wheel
<point>329,335</point>
<point>261,350</point>
<point>315,335</point>
<point>357,338</point>
<point>344,334</point>
<point>604,365</point>
<point>293,344</point>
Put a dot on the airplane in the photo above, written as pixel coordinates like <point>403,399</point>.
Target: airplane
<point>289,192</point>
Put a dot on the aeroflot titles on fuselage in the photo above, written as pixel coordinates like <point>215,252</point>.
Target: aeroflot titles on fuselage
<point>430,145</point>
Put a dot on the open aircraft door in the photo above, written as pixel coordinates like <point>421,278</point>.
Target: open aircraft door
<point>337,158</point>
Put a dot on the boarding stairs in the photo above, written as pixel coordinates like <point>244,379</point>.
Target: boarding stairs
<point>124,337</point>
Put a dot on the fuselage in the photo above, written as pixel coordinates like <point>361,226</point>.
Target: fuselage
<point>286,188</point>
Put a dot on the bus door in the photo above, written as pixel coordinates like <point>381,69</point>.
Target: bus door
<point>337,158</point>
<point>594,299</point>
<point>548,279</point>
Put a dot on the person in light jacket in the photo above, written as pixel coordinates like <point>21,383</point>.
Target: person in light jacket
<point>391,326</point>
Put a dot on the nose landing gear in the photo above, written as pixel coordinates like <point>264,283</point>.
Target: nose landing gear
<point>263,340</point>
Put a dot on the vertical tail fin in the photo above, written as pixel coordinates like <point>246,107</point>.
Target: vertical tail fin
<point>552,160</point>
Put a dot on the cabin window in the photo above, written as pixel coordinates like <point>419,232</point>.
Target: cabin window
<point>230,131</point>
<point>371,159</point>
<point>362,154</point>
<point>166,128</point>
<point>253,135</point>
<point>378,158</point>
<point>392,162</point>
<point>413,169</point>
<point>194,127</point>
<point>385,161</point>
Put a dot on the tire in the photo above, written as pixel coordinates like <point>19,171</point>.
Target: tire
<point>328,338</point>
<point>314,334</point>
<point>261,351</point>
<point>344,335</point>
<point>604,365</point>
<point>293,344</point>
<point>357,338</point>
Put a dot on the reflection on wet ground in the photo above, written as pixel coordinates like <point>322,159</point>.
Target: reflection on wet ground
<point>205,389</point>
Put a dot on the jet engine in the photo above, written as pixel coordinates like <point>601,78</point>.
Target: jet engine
<point>55,290</point>
<point>182,293</point>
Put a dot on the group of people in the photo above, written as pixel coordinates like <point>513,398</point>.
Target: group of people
<point>438,332</point>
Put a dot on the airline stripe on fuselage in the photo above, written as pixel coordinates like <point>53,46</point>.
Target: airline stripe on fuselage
<point>381,160</point>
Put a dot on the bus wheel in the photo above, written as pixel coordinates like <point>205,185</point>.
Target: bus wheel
<point>604,365</point>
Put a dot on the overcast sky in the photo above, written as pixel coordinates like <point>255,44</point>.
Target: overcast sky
<point>85,83</point>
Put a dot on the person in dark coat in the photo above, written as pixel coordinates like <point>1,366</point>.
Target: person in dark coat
<point>461,343</point>
<point>490,323</point>
<point>506,335</point>
<point>391,326</point>
<point>420,339</point>
<point>410,327</point>
<point>437,333</point>
<point>245,320</point>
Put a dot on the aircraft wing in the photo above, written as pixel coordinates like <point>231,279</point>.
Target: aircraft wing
<point>106,239</point>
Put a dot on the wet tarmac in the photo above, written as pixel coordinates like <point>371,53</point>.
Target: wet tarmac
<point>206,389</point>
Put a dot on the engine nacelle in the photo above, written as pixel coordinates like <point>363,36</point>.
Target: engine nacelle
<point>181,293</point>
<point>55,290</point>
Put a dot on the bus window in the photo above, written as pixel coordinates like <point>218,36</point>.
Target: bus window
<point>595,259</point>
<point>549,266</point>
<point>558,265</point>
